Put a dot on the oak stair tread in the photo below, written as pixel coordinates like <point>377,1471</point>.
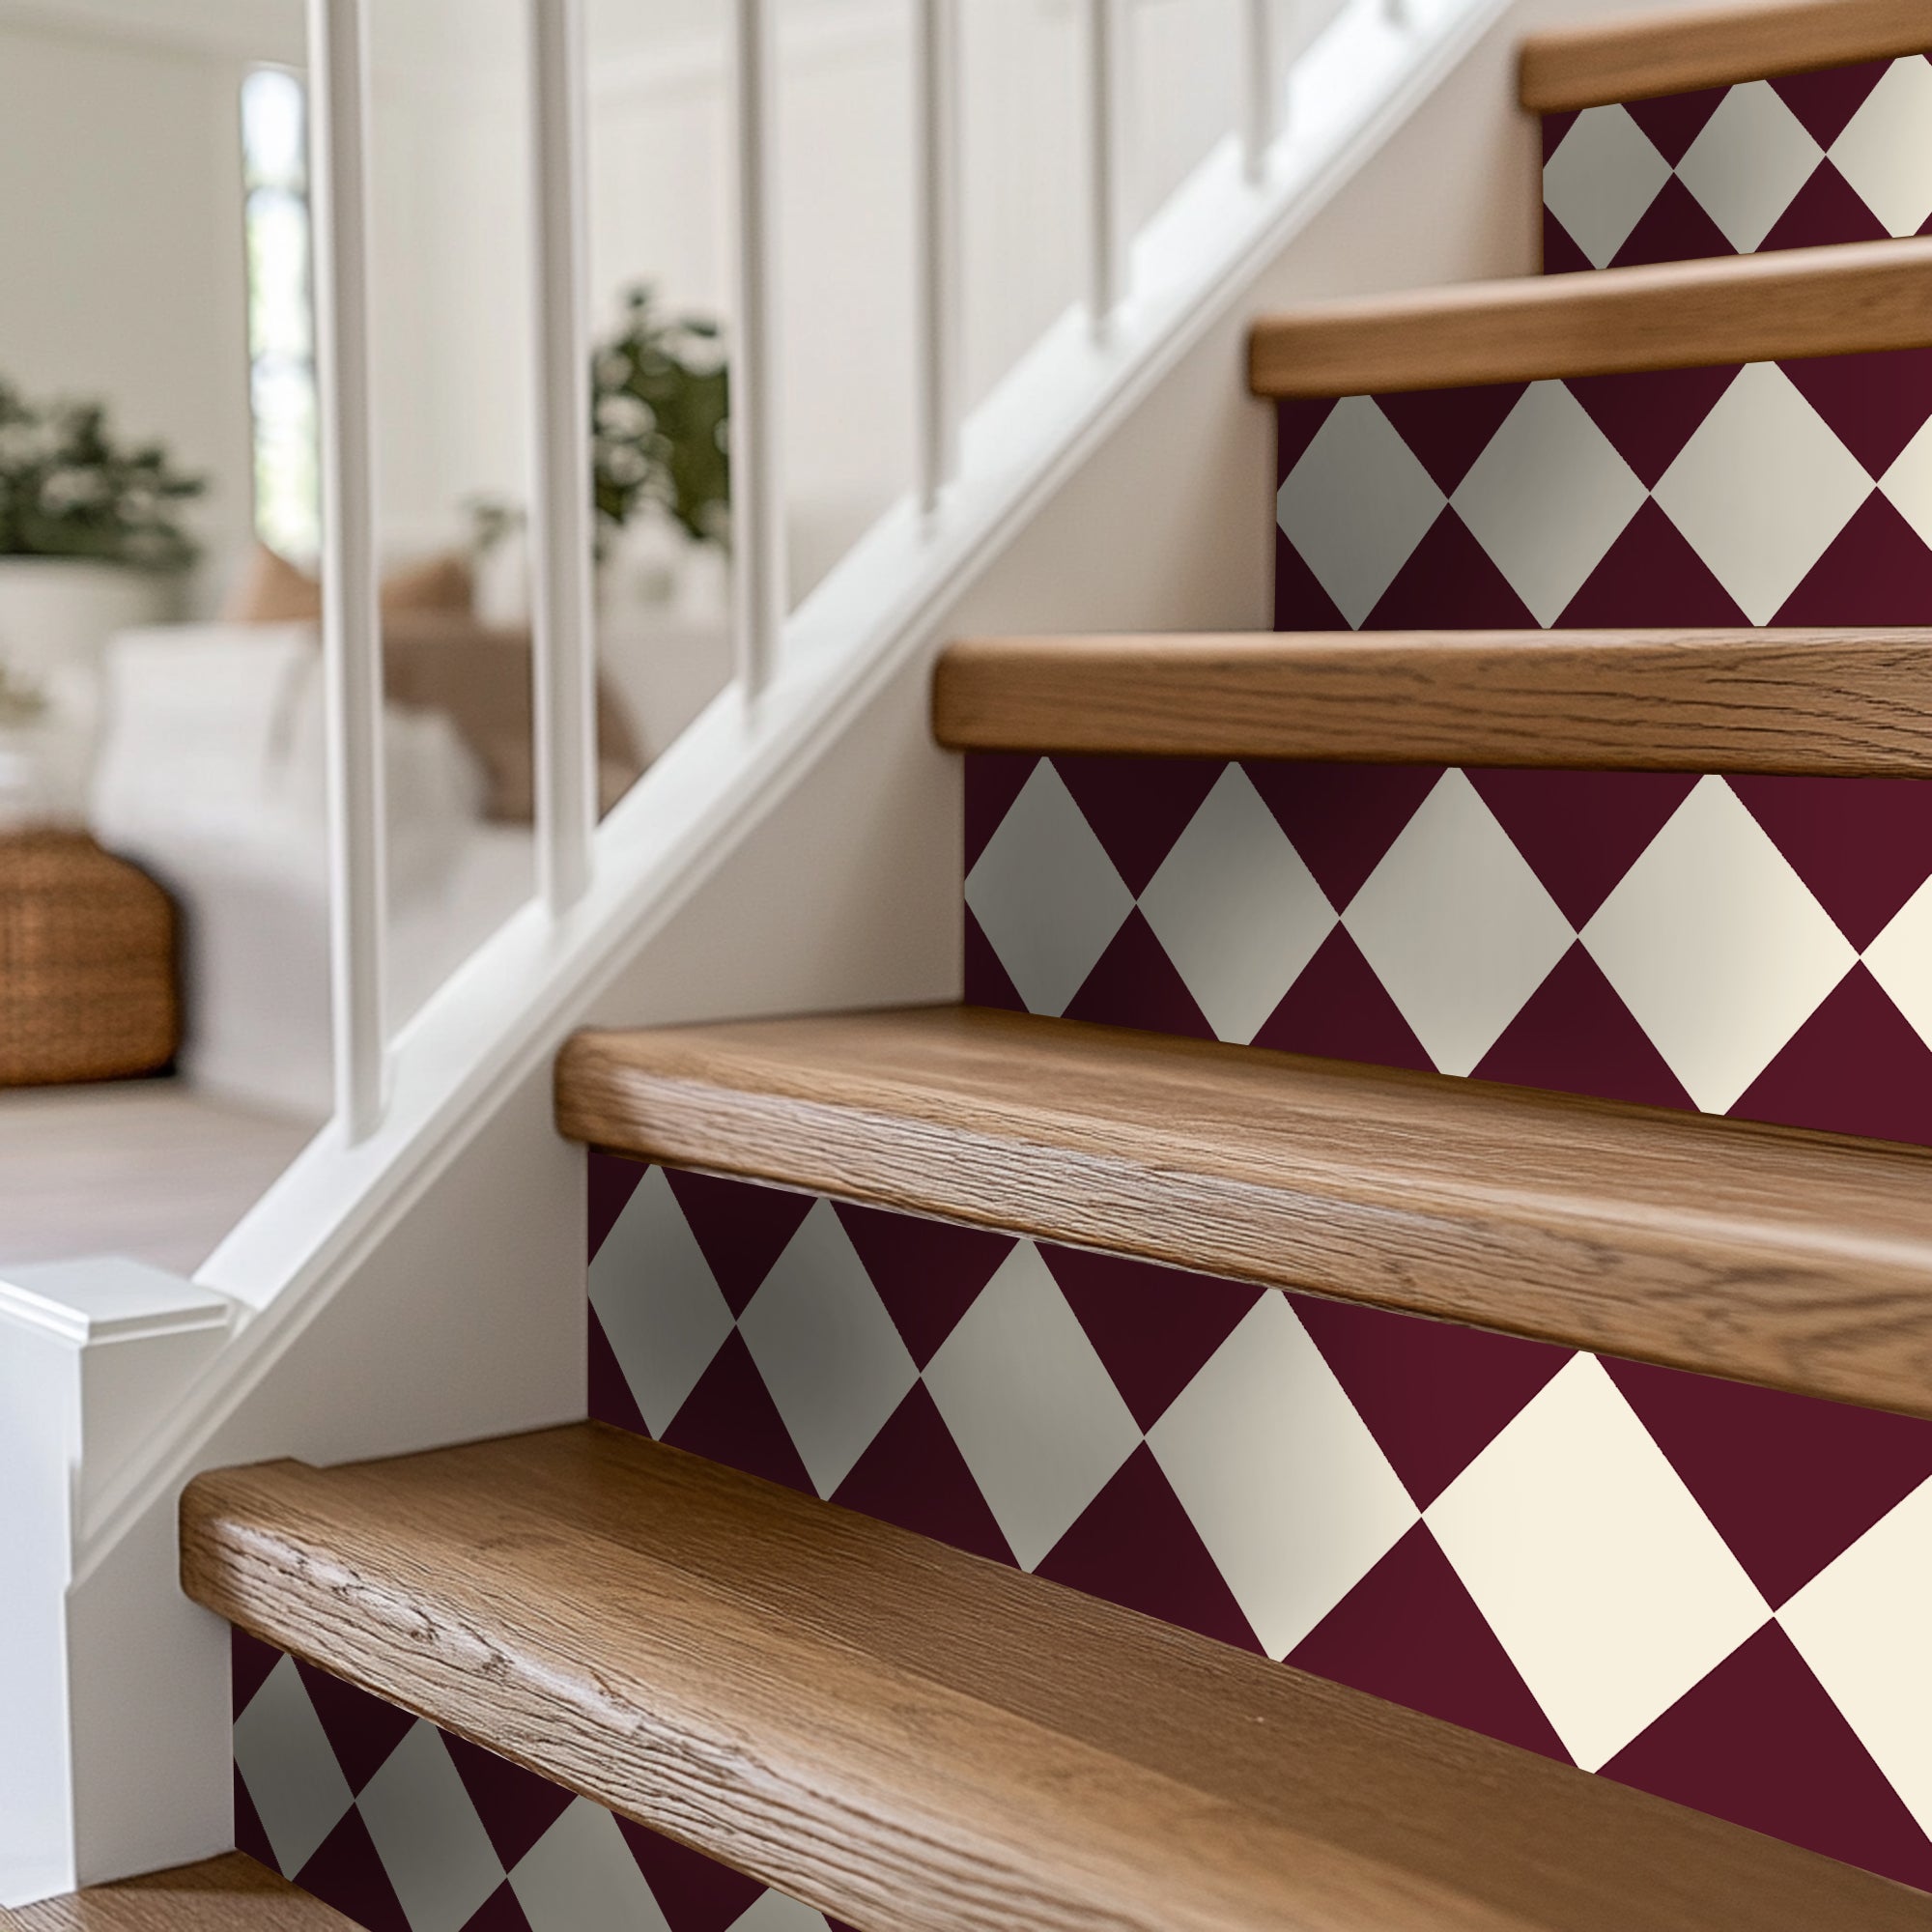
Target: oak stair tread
<point>1640,58</point>
<point>1838,702</point>
<point>1802,1261</point>
<point>231,1895</point>
<point>1848,299</point>
<point>915,1740</point>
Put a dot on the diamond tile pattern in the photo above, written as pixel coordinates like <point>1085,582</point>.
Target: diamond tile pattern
<point>443,1836</point>
<point>1841,154</point>
<point>1611,1564</point>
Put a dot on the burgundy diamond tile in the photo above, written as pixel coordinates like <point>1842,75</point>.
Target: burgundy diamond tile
<point>1410,1633</point>
<point>1435,1395</point>
<point>1650,416</point>
<point>993,781</point>
<point>613,1180</point>
<point>1298,422</point>
<point>362,1730</point>
<point>1649,570</point>
<point>1134,984</point>
<point>249,1836</point>
<point>515,1806</point>
<point>1153,1327</point>
<point>1759,1743</point>
<point>1863,847</point>
<point>1789,1481</point>
<point>1451,582</point>
<point>1561,256</point>
<point>1137,806</point>
<point>1824,100</point>
<point>1826,209</point>
<point>1341,819</point>
<point>987,983</point>
<point>1448,429</point>
<point>1554,127</point>
<point>742,1228</point>
<point>912,1474</point>
<point>611,1397</point>
<point>1876,572</point>
<point>500,1912</point>
<point>251,1661</point>
<point>1338,1009</point>
<point>1673,228</point>
<point>1874,404</point>
<point>927,1273</point>
<point>1300,604</point>
<point>1576,1035</point>
<point>348,1874</point>
<point>1856,1067</point>
<point>730,1417</point>
<point>1134,1544</point>
<point>693,1892</point>
<point>1673,121</point>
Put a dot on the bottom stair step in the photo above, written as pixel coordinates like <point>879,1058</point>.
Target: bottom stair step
<point>914,1740</point>
<point>231,1894</point>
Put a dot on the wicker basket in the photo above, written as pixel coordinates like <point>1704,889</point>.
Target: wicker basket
<point>87,964</point>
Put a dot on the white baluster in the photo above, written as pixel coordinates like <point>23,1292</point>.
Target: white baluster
<point>1107,237</point>
<point>352,631</point>
<point>937,182</point>
<point>1261,89</point>
<point>757,495</point>
<point>565,635</point>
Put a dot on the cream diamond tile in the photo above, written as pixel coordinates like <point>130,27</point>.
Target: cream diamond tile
<point>1602,179</point>
<point>1862,1626</point>
<point>1547,498</point>
<point>1900,960</point>
<point>1031,1405</point>
<point>1747,163</point>
<point>1279,1475</point>
<point>1908,483</point>
<point>1761,490</point>
<point>1235,909</point>
<point>428,1836</point>
<point>1886,151</point>
<point>1457,925</point>
<point>776,1913</point>
<point>827,1352</point>
<point>1047,895</point>
<point>1716,946</point>
<point>580,1875</point>
<point>290,1768</point>
<point>1357,505</point>
<point>1593,1564</point>
<point>657,1301</point>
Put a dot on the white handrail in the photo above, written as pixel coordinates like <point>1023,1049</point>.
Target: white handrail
<point>1261,86</point>
<point>564,642</point>
<point>937,175</point>
<point>352,629</point>
<point>1108,240</point>
<point>757,493</point>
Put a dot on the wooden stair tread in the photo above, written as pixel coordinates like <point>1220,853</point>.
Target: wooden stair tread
<point>1846,299</point>
<point>1798,1259</point>
<point>1637,60</point>
<point>1845,702</point>
<point>231,1895</point>
<point>920,1740</point>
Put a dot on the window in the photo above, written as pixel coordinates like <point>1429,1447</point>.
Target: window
<point>281,320</point>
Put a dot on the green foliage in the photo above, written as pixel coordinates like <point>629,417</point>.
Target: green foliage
<point>660,406</point>
<point>68,489</point>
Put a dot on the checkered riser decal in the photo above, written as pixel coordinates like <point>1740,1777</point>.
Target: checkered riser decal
<point>1714,1592</point>
<point>403,1827</point>
<point>1840,154</point>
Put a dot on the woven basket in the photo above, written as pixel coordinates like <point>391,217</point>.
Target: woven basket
<point>87,964</point>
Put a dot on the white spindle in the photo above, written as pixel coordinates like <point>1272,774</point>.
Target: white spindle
<point>757,497</point>
<point>352,633</point>
<point>1261,76</point>
<point>1107,237</point>
<point>936,168</point>
<point>564,657</point>
<point>1398,12</point>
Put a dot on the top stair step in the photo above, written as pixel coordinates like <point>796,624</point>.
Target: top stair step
<point>1638,59</point>
<point>1854,298</point>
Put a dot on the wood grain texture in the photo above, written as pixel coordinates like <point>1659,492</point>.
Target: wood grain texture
<point>1796,1260</point>
<point>1789,303</point>
<point>1635,60</point>
<point>1844,703</point>
<point>918,1741</point>
<point>231,1894</point>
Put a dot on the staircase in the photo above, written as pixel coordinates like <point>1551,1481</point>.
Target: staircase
<point>1379,1373</point>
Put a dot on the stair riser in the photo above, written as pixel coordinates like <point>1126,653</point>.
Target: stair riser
<point>1758,947</point>
<point>1608,1563</point>
<point>1838,155</point>
<point>403,1827</point>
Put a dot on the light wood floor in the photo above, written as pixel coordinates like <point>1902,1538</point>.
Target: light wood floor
<point>231,1894</point>
<point>147,1169</point>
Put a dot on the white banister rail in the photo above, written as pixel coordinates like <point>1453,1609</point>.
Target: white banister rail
<point>564,641</point>
<point>1108,240</point>
<point>352,631</point>
<point>1261,87</point>
<point>937,179</point>
<point>758,493</point>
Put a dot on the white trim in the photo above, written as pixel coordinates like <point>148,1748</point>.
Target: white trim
<point>115,1300</point>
